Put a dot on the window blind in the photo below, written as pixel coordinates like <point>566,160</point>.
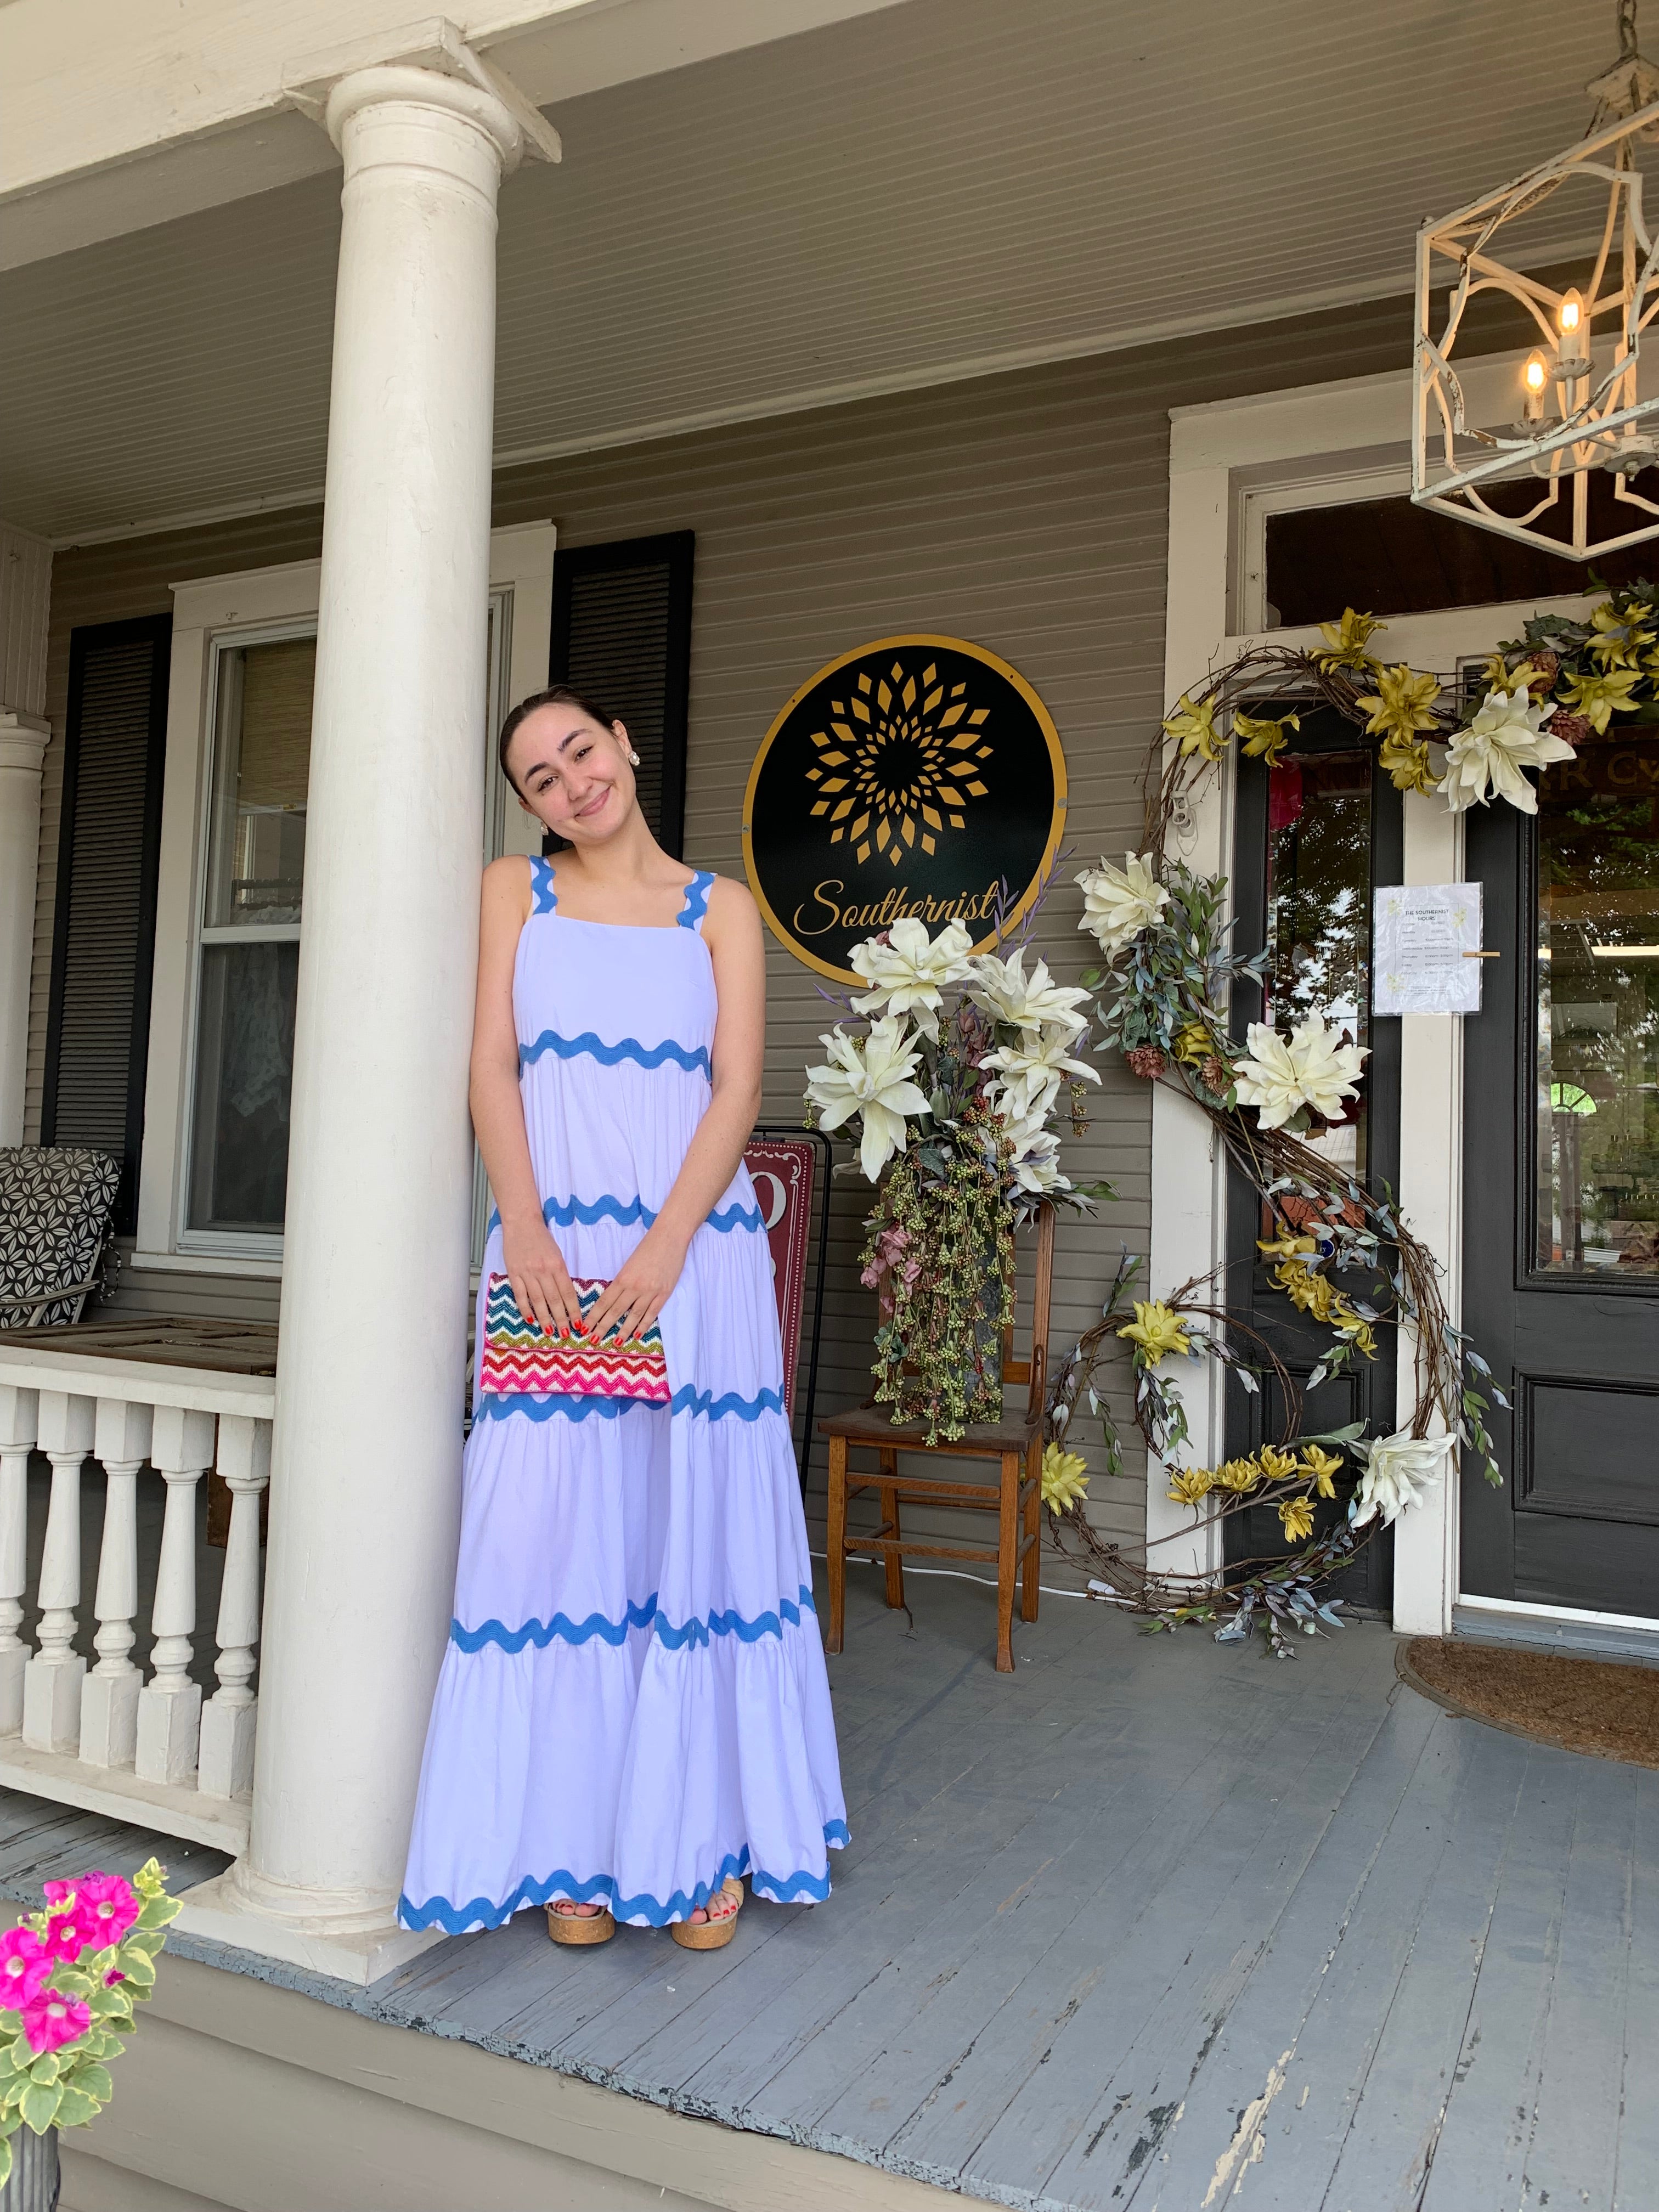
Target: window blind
<point>622,636</point>
<point>109,836</point>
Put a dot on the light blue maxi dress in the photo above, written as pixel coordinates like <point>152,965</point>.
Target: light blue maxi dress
<point>633,1703</point>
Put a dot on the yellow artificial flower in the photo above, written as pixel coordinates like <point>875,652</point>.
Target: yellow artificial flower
<point>1407,759</point>
<point>1064,1479</point>
<point>1402,703</point>
<point>1156,1330</point>
<point>1190,1485</point>
<point>1286,1244</point>
<point>1358,1332</point>
<point>1276,1466</point>
<point>1194,1044</point>
<point>1620,640</point>
<point>1239,1475</point>
<point>1295,1517</point>
<point>1345,641</point>
<point>1495,673</point>
<point>1307,1290</point>
<point>1194,727</point>
<point>1599,698</point>
<point>1324,1466</point>
<point>1264,737</point>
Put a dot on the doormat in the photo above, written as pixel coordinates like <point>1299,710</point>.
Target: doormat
<point>1594,1705</point>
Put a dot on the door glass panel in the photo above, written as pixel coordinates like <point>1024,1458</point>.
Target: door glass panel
<point>1319,911</point>
<point>1597,1114</point>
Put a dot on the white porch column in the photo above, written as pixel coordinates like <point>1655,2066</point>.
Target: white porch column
<point>367,1443</point>
<point>25,581</point>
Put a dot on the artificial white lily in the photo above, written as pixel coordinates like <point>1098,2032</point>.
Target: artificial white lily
<point>1036,1156</point>
<point>1030,1074</point>
<point>1034,1002</point>
<point>1311,1068</point>
<point>1504,737</point>
<point>1399,1472</point>
<point>909,971</point>
<point>870,1079</point>
<point>1118,903</point>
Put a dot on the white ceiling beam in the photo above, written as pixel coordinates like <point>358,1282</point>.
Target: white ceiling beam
<point>123,113</point>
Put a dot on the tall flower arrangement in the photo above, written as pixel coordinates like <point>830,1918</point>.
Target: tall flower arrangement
<point>71,1976</point>
<point>948,1073</point>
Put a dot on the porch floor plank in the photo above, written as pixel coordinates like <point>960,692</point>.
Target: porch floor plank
<point>1147,1924</point>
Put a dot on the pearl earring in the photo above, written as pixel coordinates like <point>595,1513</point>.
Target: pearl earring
<point>633,760</point>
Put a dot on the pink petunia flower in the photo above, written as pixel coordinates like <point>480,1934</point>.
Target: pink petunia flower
<point>113,1976</point>
<point>54,2019</point>
<point>107,1907</point>
<point>25,1963</point>
<point>65,1937</point>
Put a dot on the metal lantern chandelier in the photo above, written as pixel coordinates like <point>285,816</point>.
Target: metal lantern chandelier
<point>1578,393</point>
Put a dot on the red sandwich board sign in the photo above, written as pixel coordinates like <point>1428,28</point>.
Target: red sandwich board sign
<point>781,1169</point>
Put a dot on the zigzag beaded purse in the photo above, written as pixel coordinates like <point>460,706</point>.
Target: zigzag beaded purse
<point>523,1359</point>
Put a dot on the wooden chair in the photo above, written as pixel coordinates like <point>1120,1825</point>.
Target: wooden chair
<point>1015,1442</point>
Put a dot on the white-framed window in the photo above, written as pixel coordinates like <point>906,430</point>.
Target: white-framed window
<point>230,901</point>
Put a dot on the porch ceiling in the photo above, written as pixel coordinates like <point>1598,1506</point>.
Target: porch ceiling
<point>940,188</point>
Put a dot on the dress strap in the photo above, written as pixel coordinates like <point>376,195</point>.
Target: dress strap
<point>541,886</point>
<point>696,905</point>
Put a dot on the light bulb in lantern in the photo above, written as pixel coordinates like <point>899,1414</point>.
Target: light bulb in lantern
<point>1534,376</point>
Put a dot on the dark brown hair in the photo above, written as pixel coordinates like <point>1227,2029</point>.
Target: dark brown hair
<point>556,694</point>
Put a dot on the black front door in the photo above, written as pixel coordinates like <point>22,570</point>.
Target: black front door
<point>1561,1185</point>
<point>1314,833</point>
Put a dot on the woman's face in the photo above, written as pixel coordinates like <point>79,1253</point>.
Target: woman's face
<point>573,774</point>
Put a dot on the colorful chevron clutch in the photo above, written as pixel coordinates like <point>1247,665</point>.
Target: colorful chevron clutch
<point>523,1359</point>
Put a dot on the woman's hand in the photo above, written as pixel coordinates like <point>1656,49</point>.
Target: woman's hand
<point>640,1290</point>
<point>541,1282</point>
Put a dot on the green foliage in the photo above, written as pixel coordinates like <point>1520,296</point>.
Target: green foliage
<point>943,1233</point>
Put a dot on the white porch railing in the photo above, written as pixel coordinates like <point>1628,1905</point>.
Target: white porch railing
<point>101,1735</point>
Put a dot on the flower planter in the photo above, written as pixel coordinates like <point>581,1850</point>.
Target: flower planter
<point>32,2184</point>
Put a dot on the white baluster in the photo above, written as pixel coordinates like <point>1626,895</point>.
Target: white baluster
<point>52,1679</point>
<point>20,1413</point>
<point>229,1717</point>
<point>109,1695</point>
<point>170,1703</point>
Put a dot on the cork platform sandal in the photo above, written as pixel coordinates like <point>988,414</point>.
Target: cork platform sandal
<point>572,1927</point>
<point>721,1925</point>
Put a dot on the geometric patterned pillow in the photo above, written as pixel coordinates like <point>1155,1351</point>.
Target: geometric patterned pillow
<point>56,1201</point>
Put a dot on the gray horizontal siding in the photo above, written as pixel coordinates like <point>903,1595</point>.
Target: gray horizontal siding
<point>1026,513</point>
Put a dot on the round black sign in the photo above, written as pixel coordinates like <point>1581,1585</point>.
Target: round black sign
<point>917,775</point>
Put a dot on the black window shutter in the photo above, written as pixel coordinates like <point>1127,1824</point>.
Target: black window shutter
<point>104,936</point>
<point>622,636</point>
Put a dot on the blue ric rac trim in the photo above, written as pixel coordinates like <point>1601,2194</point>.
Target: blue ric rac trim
<point>541,883</point>
<point>610,1056</point>
<point>696,901</point>
<point>493,1406</point>
<point>565,1212</point>
<point>783,1889</point>
<point>694,1632</point>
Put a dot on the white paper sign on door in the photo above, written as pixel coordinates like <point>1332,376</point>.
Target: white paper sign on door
<point>1422,937</point>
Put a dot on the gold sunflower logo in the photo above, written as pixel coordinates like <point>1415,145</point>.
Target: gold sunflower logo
<point>899,763</point>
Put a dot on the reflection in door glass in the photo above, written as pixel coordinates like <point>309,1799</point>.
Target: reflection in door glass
<point>1597,1127</point>
<point>1319,918</point>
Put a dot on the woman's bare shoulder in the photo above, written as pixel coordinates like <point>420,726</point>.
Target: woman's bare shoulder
<point>730,901</point>
<point>507,887</point>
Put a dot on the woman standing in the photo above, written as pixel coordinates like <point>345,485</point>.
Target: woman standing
<point>633,1711</point>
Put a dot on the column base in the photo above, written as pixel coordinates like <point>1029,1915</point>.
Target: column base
<point>109,1719</point>
<point>52,1703</point>
<point>222,1912</point>
<point>169,1725</point>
